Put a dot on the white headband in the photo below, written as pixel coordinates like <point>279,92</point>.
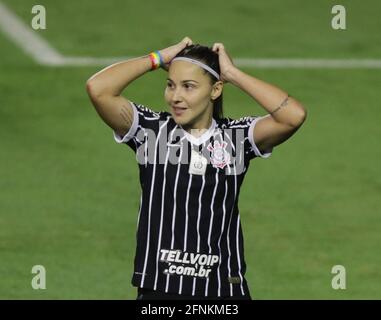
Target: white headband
<point>200,64</point>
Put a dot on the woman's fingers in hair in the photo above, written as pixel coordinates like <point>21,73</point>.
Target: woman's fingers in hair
<point>187,41</point>
<point>169,53</point>
<point>218,46</point>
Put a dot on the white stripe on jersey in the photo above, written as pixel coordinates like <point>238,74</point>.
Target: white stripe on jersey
<point>219,239</point>
<point>222,227</point>
<point>210,228</point>
<point>230,253</point>
<point>231,215</point>
<point>161,214</point>
<point>211,223</point>
<point>150,205</point>
<point>174,209</point>
<point>146,149</point>
<point>140,209</point>
<point>198,228</point>
<point>238,126</point>
<point>186,227</point>
<point>239,256</point>
<point>238,219</point>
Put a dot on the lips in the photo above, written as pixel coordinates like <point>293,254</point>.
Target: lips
<point>178,111</point>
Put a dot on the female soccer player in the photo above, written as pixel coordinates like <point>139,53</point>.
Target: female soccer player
<point>192,162</point>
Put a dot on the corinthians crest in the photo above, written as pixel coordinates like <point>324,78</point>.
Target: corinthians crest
<point>219,157</point>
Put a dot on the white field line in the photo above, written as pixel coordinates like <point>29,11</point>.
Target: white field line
<point>43,53</point>
<point>250,62</point>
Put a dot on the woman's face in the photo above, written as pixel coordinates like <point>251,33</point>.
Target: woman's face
<point>190,93</point>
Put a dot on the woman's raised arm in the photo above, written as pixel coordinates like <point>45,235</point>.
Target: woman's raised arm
<point>105,87</point>
<point>286,114</point>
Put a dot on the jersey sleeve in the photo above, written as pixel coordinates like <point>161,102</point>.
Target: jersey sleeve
<point>245,126</point>
<point>144,120</point>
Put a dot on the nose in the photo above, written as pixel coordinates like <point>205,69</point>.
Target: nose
<point>176,97</point>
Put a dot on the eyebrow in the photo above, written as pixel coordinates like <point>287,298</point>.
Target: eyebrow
<point>183,80</point>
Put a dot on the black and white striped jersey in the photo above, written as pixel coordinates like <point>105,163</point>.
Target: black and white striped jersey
<point>189,236</point>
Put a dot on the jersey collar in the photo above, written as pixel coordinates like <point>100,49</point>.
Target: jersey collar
<point>204,137</point>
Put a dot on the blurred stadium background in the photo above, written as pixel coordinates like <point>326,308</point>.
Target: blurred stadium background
<point>69,195</point>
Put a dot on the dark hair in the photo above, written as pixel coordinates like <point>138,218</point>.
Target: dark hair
<point>210,58</point>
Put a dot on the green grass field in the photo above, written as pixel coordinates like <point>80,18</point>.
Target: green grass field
<point>69,194</point>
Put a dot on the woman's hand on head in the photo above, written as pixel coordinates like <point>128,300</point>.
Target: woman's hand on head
<point>169,53</point>
<point>226,63</point>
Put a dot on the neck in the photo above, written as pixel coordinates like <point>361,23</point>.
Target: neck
<point>199,126</point>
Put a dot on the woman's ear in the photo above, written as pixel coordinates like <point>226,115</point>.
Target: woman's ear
<point>217,90</point>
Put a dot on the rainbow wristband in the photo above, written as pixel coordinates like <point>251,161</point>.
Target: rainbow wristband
<point>156,60</point>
